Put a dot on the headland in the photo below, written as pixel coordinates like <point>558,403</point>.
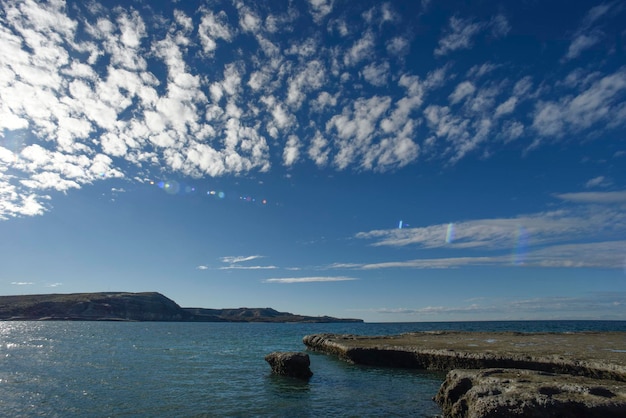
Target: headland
<point>126,306</point>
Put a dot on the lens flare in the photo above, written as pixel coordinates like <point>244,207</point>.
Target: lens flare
<point>450,233</point>
<point>172,187</point>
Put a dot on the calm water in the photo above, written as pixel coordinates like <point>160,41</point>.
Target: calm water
<point>64,369</point>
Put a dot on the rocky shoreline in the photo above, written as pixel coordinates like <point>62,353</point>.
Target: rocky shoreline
<point>503,374</point>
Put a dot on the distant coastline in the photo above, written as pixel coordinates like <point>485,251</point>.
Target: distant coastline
<point>126,306</point>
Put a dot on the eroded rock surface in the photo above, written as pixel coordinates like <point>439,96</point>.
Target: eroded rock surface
<point>527,393</point>
<point>503,374</point>
<point>293,364</point>
<point>592,354</point>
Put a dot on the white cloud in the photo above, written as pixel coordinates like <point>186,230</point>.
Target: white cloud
<point>310,78</point>
<point>291,151</point>
<point>588,235</point>
<point>319,279</point>
<point>541,228</point>
<point>202,267</point>
<point>587,35</point>
<point>582,42</point>
<point>462,91</point>
<point>213,27</point>
<point>608,305</point>
<point>362,49</point>
<point>354,128</point>
<point>249,21</point>
<point>599,181</point>
<point>318,151</point>
<point>459,35</point>
<point>478,71</point>
<point>106,94</point>
<point>506,107</point>
<point>238,267</point>
<point>240,259</point>
<point>438,263</point>
<point>618,197</point>
<point>376,74</point>
<point>597,103</point>
<point>54,285</point>
<point>398,46</point>
<point>500,26</point>
<point>320,9</point>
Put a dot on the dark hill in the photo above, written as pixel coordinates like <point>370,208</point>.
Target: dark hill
<point>123,306</point>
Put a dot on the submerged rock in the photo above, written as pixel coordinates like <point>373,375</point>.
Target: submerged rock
<point>529,393</point>
<point>292,364</point>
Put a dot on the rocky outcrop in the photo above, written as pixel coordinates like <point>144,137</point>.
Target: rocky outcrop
<point>503,374</point>
<point>527,393</point>
<point>125,306</point>
<point>591,354</point>
<point>293,364</point>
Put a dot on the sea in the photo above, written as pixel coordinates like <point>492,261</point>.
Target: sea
<point>169,369</point>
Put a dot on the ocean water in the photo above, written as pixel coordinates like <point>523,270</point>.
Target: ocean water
<point>151,369</point>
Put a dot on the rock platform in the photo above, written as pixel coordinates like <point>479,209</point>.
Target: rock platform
<point>503,374</point>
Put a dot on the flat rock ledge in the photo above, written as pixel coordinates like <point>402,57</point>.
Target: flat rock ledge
<point>293,364</point>
<point>529,393</point>
<point>504,374</point>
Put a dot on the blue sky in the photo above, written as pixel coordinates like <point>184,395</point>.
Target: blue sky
<point>391,161</point>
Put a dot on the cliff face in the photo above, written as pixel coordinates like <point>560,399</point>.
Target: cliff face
<point>150,306</point>
<point>124,306</point>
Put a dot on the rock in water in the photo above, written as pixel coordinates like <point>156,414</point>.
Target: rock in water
<point>292,364</point>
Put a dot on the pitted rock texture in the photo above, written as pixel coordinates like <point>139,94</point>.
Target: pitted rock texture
<point>293,364</point>
<point>503,393</point>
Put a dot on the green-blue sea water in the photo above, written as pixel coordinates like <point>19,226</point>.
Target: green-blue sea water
<point>151,369</point>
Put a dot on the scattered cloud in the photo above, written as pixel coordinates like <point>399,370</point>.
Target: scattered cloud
<point>588,34</point>
<point>235,263</point>
<point>589,234</point>
<point>618,197</point>
<point>22,283</point>
<point>599,181</point>
<point>459,35</point>
<point>240,259</point>
<point>96,94</point>
<point>202,267</point>
<point>309,279</point>
<point>601,102</point>
<point>238,267</point>
<point>609,305</point>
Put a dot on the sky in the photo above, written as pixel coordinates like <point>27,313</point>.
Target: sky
<point>390,161</point>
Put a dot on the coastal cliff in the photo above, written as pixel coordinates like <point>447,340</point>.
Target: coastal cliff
<point>125,306</point>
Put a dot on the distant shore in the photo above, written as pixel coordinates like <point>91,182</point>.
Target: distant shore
<point>125,306</point>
